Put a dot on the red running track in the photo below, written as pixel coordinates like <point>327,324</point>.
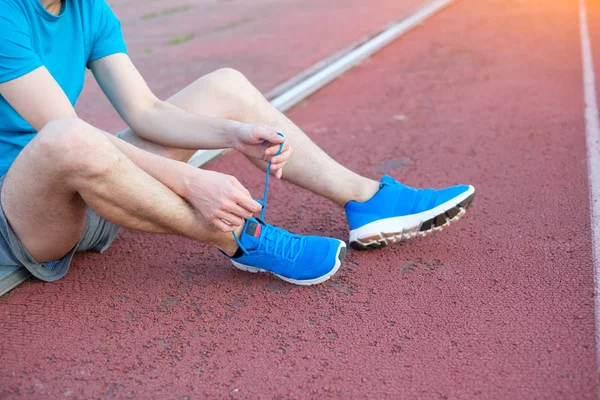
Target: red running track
<point>173,43</point>
<point>500,306</point>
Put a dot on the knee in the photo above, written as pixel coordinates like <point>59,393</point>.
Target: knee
<point>230,85</point>
<point>65,138</point>
<point>228,77</point>
<point>72,145</point>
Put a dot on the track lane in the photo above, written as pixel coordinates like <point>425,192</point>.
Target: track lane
<point>269,41</point>
<point>500,306</point>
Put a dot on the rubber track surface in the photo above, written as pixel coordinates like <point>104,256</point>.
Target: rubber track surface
<point>173,43</point>
<point>498,306</point>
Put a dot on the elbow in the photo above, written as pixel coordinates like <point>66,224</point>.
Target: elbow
<point>144,117</point>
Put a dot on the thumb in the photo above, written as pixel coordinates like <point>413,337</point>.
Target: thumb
<point>270,135</point>
<point>277,138</point>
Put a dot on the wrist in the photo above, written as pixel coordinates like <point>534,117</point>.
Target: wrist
<point>187,174</point>
<point>233,131</point>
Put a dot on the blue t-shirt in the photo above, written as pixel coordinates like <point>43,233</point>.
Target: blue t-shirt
<point>84,31</point>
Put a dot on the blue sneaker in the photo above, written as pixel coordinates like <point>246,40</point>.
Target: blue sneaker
<point>302,260</point>
<point>399,212</point>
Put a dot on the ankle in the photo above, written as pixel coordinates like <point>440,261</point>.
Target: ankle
<point>365,191</point>
<point>227,244</point>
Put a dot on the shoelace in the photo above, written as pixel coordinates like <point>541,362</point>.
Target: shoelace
<point>263,202</point>
<point>280,243</point>
<point>280,238</point>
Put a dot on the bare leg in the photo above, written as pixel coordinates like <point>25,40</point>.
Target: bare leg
<point>70,164</point>
<point>228,94</point>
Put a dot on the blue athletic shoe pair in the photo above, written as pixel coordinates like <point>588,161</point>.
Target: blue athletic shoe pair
<point>394,213</point>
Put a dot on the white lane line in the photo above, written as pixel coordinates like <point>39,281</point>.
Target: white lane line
<point>592,131</point>
<point>332,69</point>
<point>323,77</point>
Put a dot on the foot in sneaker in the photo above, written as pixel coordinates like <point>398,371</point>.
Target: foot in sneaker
<point>302,260</point>
<point>399,212</point>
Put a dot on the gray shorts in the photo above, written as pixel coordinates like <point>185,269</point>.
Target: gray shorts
<point>98,234</point>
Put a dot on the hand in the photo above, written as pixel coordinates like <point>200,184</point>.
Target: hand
<point>249,140</point>
<point>220,198</point>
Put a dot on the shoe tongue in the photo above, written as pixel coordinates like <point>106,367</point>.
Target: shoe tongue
<point>251,234</point>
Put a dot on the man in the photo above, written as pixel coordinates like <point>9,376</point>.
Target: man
<point>67,186</point>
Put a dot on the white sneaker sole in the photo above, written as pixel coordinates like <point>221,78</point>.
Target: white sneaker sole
<point>307,282</point>
<point>383,232</point>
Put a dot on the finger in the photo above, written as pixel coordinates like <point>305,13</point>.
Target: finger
<point>222,226</point>
<point>271,151</point>
<point>282,158</point>
<point>241,212</point>
<point>267,134</point>
<point>241,187</point>
<point>281,145</point>
<point>249,204</point>
<point>275,137</point>
<point>230,218</point>
<point>276,168</point>
<point>244,199</point>
<point>277,172</point>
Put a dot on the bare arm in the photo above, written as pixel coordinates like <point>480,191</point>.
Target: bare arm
<point>166,124</point>
<point>39,99</point>
<point>153,119</point>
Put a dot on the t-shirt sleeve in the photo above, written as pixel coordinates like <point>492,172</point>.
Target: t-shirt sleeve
<point>108,38</point>
<point>17,56</point>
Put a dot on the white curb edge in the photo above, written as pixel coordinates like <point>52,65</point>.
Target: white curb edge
<point>332,67</point>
